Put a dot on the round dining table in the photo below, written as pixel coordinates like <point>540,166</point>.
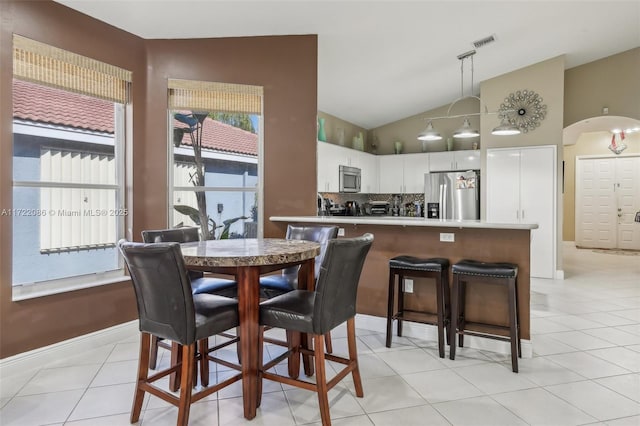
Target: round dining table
<point>247,259</point>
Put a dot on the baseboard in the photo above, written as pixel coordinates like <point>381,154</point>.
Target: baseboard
<point>428,332</point>
<point>560,274</point>
<point>37,358</point>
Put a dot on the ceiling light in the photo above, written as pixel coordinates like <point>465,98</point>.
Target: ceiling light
<point>466,131</point>
<point>429,134</point>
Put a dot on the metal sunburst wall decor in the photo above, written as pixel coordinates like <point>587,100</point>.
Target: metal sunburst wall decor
<point>523,109</point>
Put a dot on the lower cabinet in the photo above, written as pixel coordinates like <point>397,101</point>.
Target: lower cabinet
<point>521,188</point>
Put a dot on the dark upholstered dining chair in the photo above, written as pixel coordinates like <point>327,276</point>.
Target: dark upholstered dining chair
<point>199,285</point>
<point>167,309</point>
<point>317,312</point>
<point>287,280</point>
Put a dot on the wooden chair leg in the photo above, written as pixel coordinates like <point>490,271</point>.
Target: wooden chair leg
<point>176,357</point>
<point>143,371</point>
<point>390,304</point>
<point>462,300</point>
<point>307,343</point>
<point>153,353</point>
<point>327,343</point>
<point>293,341</point>
<point>400,303</point>
<point>321,379</point>
<point>453,325</point>
<point>204,362</point>
<point>513,327</point>
<point>353,356</point>
<point>440,312</point>
<point>186,385</point>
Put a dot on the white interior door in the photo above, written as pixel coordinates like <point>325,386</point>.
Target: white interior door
<point>628,202</point>
<point>596,219</point>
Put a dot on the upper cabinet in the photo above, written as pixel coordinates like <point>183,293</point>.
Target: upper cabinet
<point>331,156</point>
<point>403,173</point>
<point>454,160</point>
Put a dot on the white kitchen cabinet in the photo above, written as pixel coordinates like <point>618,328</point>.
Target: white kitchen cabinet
<point>391,174</point>
<point>415,167</point>
<point>521,188</point>
<point>330,157</point>
<point>454,160</point>
<point>403,173</point>
<point>368,164</point>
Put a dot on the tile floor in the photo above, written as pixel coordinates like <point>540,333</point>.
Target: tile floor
<point>585,370</point>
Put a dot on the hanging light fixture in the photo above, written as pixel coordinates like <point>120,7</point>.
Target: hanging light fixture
<point>466,131</point>
<point>429,134</point>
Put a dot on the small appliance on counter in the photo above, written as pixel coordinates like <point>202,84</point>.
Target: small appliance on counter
<point>351,208</point>
<point>337,210</point>
<point>379,208</point>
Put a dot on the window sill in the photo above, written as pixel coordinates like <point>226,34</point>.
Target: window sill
<point>32,291</point>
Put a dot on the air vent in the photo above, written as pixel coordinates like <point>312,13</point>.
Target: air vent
<point>484,41</point>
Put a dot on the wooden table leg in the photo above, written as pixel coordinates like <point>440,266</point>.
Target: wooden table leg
<point>248,309</point>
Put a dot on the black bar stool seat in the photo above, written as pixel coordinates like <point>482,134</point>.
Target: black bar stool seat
<point>411,266</point>
<point>472,271</point>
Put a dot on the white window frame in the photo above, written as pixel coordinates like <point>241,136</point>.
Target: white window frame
<point>44,288</point>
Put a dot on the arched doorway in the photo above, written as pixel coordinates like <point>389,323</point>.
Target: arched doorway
<point>589,141</point>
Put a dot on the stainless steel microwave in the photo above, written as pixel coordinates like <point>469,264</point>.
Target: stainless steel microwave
<point>349,179</point>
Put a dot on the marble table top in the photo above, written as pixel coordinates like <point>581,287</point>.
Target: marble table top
<point>247,252</point>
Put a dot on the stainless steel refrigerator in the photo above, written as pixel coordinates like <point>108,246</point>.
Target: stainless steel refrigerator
<point>452,195</point>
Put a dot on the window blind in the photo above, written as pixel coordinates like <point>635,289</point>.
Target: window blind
<point>212,96</point>
<point>41,63</point>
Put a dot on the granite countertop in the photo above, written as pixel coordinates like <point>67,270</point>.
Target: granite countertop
<point>403,221</point>
<point>247,252</point>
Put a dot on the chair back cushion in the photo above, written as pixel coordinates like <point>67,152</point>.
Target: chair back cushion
<point>317,233</point>
<point>163,289</point>
<point>337,285</point>
<point>178,235</point>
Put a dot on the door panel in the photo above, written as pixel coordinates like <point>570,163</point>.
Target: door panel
<point>503,186</point>
<point>628,202</point>
<point>595,203</point>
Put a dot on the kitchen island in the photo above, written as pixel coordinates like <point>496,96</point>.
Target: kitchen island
<point>417,236</point>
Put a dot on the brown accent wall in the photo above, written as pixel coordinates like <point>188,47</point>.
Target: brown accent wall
<point>286,67</point>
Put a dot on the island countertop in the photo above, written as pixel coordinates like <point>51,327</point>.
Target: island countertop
<point>403,221</point>
<point>426,238</point>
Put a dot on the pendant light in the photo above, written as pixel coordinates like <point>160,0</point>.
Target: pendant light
<point>505,128</point>
<point>429,134</point>
<point>466,131</point>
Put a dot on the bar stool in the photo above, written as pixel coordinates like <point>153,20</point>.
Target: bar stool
<point>472,272</point>
<point>409,266</point>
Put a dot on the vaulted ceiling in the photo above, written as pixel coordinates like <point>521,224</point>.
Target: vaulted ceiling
<point>380,61</point>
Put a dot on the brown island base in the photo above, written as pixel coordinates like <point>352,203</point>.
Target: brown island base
<point>477,240</point>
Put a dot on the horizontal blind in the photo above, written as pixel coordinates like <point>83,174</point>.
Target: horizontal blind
<point>48,65</point>
<point>212,96</point>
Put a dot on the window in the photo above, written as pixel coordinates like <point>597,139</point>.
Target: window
<point>215,144</point>
<point>68,181</point>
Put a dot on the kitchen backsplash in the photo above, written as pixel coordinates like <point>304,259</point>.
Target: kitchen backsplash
<point>360,198</point>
